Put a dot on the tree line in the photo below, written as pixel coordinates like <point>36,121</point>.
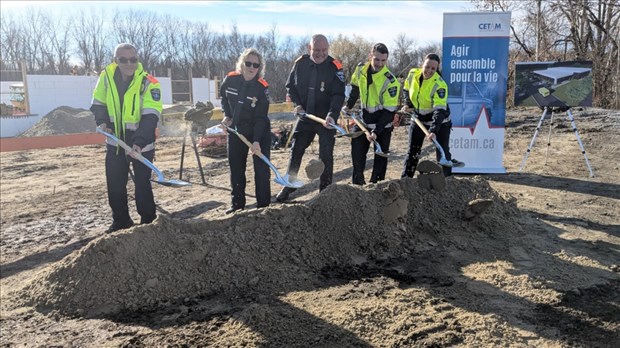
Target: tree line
<point>541,30</point>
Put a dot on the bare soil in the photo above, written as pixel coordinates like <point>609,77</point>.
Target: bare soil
<point>385,265</point>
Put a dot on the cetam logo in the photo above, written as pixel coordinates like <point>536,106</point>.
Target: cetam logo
<point>490,26</point>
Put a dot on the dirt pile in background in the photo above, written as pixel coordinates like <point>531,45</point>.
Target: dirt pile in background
<point>63,120</point>
<point>171,122</point>
<point>68,120</point>
<point>272,250</point>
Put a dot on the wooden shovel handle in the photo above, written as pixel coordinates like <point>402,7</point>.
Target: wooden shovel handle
<point>421,125</point>
<point>361,125</point>
<point>315,118</point>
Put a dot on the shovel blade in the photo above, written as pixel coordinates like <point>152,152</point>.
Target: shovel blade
<point>454,164</point>
<point>172,183</point>
<point>288,181</point>
<point>378,150</point>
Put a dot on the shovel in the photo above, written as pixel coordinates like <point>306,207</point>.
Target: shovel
<point>160,176</point>
<point>361,125</point>
<point>279,179</point>
<point>443,161</point>
<point>343,133</point>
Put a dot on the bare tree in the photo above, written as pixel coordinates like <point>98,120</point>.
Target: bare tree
<point>142,29</point>
<point>199,47</point>
<point>173,31</point>
<point>401,54</point>
<point>279,55</point>
<point>33,31</point>
<point>11,41</point>
<point>91,37</point>
<point>60,36</point>
<point>350,52</point>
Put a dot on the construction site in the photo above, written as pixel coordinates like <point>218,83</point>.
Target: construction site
<point>393,264</point>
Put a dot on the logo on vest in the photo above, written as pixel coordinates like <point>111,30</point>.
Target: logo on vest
<point>156,94</point>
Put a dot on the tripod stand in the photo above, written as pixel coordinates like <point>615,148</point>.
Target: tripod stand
<point>572,121</point>
<point>191,135</point>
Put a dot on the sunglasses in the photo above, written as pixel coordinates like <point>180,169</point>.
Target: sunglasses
<point>255,65</point>
<point>123,60</point>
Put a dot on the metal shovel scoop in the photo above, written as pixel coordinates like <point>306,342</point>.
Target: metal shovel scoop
<point>160,176</point>
<point>443,161</point>
<point>341,131</point>
<point>360,124</point>
<point>279,179</point>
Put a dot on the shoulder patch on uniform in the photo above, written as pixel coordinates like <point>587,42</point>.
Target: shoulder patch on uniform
<point>263,82</point>
<point>393,91</point>
<point>156,94</point>
<point>151,78</point>
<point>441,93</point>
<point>340,75</point>
<point>389,76</point>
<point>233,73</point>
<point>266,92</point>
<point>337,64</point>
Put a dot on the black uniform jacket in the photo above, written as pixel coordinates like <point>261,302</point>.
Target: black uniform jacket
<point>246,102</point>
<point>329,87</point>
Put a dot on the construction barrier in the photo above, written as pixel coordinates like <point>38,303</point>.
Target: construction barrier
<point>50,141</point>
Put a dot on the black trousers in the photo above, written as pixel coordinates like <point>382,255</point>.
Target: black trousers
<point>237,159</point>
<point>303,139</point>
<point>359,150</point>
<point>117,170</point>
<point>416,138</point>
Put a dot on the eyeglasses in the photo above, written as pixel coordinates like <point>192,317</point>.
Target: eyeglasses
<point>255,65</point>
<point>123,60</point>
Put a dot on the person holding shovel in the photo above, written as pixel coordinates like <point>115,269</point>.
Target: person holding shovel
<point>378,90</point>
<point>427,97</point>
<point>127,103</point>
<point>315,86</point>
<point>245,104</point>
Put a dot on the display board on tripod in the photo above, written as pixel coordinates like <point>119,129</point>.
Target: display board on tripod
<point>554,87</point>
<point>553,84</point>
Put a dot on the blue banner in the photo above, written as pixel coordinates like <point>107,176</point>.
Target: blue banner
<point>475,66</point>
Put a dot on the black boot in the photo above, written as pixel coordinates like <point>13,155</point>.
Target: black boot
<point>282,196</point>
<point>232,210</point>
<point>119,226</point>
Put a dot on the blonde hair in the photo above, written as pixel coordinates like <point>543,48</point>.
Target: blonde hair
<point>247,52</point>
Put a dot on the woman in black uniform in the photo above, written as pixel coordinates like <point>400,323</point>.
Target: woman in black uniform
<point>245,103</point>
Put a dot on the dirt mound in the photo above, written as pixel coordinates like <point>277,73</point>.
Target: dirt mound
<point>271,250</point>
<point>63,120</point>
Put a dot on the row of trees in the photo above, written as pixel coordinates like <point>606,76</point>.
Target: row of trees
<point>542,30</point>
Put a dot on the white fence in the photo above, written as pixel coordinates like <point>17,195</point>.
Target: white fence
<point>47,92</point>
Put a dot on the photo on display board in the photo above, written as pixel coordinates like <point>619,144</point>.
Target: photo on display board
<point>553,84</point>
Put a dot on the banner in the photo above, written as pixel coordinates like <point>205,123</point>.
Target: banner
<point>475,67</point>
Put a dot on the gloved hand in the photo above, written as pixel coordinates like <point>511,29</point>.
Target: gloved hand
<point>104,127</point>
<point>299,111</point>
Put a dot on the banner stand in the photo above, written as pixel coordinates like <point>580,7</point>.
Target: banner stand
<point>542,118</point>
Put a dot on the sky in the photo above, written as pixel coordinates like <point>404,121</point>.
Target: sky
<point>376,21</point>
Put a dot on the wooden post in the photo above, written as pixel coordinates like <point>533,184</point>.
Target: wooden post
<point>25,84</point>
<point>191,86</point>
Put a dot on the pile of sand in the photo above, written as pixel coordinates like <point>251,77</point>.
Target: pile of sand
<point>273,250</point>
<point>63,120</point>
